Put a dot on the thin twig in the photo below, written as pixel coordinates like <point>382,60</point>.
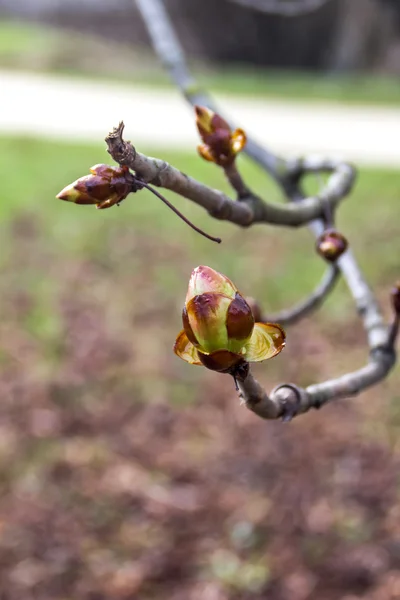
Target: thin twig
<point>236,181</point>
<point>180,215</point>
<point>169,50</point>
<point>251,209</point>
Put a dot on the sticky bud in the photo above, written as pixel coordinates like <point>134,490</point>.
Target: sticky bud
<point>219,330</point>
<point>331,244</point>
<point>107,186</point>
<point>221,144</point>
<point>104,187</point>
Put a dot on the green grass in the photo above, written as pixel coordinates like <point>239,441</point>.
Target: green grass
<point>43,48</point>
<point>21,38</point>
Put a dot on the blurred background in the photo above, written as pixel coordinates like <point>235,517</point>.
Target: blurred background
<point>124,472</point>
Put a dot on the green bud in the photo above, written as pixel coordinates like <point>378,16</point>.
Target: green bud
<point>219,329</point>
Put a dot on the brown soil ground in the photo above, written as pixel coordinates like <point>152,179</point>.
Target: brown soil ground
<point>126,474</point>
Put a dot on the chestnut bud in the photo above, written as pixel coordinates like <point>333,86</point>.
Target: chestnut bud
<point>221,144</point>
<point>331,244</point>
<point>219,330</point>
<point>104,187</point>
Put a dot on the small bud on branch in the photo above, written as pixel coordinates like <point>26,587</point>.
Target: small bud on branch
<point>221,145</point>
<point>331,244</point>
<point>104,187</point>
<point>107,186</point>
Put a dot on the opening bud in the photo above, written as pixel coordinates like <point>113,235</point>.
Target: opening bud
<point>219,329</point>
<point>221,144</point>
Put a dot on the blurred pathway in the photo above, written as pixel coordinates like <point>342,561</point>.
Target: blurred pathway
<point>66,108</point>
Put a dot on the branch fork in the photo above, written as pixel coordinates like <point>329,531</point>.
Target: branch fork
<point>287,400</point>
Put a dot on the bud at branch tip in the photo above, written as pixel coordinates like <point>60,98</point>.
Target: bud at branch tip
<point>107,186</point>
<point>220,144</point>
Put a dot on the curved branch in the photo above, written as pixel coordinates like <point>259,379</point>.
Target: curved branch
<point>303,308</point>
<point>285,8</point>
<point>289,400</point>
<point>365,301</point>
<point>248,210</point>
<point>169,50</point>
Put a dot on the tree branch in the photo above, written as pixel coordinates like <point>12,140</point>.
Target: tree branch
<point>236,181</point>
<point>366,304</point>
<point>365,301</point>
<point>300,210</point>
<point>169,50</point>
<point>284,8</point>
<point>287,400</point>
<point>251,209</point>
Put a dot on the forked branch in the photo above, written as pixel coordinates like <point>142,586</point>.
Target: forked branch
<point>170,52</point>
<point>251,209</point>
<point>287,400</point>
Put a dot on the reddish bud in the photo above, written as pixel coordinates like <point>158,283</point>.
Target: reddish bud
<point>331,244</point>
<point>221,144</point>
<point>239,319</point>
<point>219,329</point>
<point>104,187</point>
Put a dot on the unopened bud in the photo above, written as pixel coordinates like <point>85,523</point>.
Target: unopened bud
<point>221,144</point>
<point>331,244</point>
<point>104,187</point>
<point>395,297</point>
